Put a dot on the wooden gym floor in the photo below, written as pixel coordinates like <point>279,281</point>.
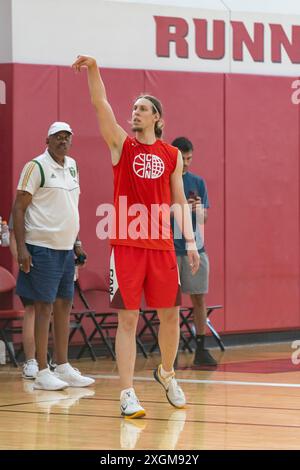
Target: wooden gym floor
<point>252,401</point>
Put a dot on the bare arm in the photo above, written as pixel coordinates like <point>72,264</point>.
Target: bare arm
<point>22,201</point>
<point>112,133</point>
<point>182,214</point>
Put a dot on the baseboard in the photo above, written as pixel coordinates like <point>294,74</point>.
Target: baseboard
<point>242,339</point>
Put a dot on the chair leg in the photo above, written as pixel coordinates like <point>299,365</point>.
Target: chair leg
<point>84,346</point>
<point>107,344</point>
<point>215,335</point>
<point>154,335</point>
<point>148,325</point>
<point>186,342</point>
<point>19,351</point>
<point>185,321</point>
<point>141,346</point>
<point>104,339</point>
<point>154,346</point>
<point>87,343</point>
<point>72,333</point>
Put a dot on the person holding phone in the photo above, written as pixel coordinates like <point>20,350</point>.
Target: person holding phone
<point>197,286</point>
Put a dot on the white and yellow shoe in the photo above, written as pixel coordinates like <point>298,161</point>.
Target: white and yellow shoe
<point>174,392</point>
<point>130,405</point>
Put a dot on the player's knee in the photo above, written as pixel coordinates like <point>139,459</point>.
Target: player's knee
<point>169,316</point>
<point>128,321</point>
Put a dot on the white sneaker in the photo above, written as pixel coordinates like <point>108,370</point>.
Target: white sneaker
<point>72,376</point>
<point>30,369</point>
<point>46,380</point>
<point>174,392</point>
<point>130,405</point>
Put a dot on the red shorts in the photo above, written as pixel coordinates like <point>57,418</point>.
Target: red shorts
<point>133,270</point>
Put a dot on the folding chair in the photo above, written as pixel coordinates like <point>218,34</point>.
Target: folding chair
<point>94,293</point>
<point>10,319</point>
<point>187,323</point>
<point>151,323</point>
<point>81,302</point>
<point>78,315</point>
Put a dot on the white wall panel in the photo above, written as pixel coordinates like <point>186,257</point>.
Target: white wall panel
<point>123,33</point>
<point>5,31</point>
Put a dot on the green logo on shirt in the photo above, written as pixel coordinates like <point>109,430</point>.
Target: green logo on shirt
<point>72,171</point>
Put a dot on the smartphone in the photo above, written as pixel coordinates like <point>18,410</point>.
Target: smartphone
<point>192,195</point>
<point>80,260</point>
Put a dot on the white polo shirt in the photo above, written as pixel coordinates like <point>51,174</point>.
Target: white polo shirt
<point>52,217</point>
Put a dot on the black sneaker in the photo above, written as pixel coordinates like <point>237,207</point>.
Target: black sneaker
<point>204,358</point>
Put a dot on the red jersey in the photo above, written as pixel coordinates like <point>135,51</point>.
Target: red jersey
<point>142,195</point>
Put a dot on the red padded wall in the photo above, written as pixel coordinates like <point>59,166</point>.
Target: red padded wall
<point>35,107</point>
<point>262,204</point>
<point>6,164</point>
<point>35,102</point>
<point>6,153</point>
<point>249,157</point>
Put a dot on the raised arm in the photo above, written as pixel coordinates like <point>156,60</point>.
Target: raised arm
<point>182,214</point>
<point>112,133</point>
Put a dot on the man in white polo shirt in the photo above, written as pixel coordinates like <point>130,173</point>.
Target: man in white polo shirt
<point>46,225</point>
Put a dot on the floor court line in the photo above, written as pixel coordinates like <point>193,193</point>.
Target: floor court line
<point>194,381</point>
<point>120,418</point>
<point>211,382</point>
<point>116,400</point>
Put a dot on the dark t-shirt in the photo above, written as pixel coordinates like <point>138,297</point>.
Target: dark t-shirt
<point>193,186</point>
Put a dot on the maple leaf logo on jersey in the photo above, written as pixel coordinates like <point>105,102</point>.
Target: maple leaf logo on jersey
<point>148,166</point>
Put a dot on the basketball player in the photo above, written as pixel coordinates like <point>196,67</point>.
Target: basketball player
<point>148,173</point>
